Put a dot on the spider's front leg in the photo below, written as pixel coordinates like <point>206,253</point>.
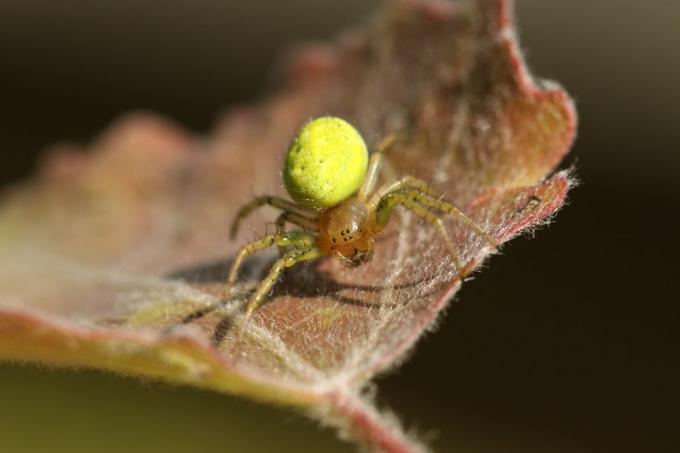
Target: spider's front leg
<point>387,204</point>
<point>301,214</point>
<point>420,192</point>
<point>289,259</point>
<point>297,239</point>
<point>295,219</point>
<point>447,207</point>
<point>303,248</point>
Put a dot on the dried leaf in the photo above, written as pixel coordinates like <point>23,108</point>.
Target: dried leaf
<point>113,257</point>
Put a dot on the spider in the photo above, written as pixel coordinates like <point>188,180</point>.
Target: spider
<point>329,176</point>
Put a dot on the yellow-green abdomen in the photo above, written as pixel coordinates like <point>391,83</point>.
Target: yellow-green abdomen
<point>326,163</point>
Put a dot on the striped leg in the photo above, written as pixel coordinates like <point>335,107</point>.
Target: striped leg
<point>290,259</point>
<point>387,205</point>
<point>296,239</point>
<point>295,219</point>
<point>276,202</point>
<point>421,192</point>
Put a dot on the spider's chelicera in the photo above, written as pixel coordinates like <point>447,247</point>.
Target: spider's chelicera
<point>336,204</point>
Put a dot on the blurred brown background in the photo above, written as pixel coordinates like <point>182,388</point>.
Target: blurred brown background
<point>566,343</point>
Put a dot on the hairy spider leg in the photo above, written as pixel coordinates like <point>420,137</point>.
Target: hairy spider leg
<point>303,246</point>
<point>289,259</point>
<point>276,202</point>
<point>375,165</point>
<point>407,182</point>
<point>295,219</point>
<point>390,201</point>
<point>425,195</point>
<point>451,209</point>
<point>281,238</point>
<point>281,221</point>
<point>295,239</point>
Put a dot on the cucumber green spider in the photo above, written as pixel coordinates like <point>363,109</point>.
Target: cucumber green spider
<point>332,182</point>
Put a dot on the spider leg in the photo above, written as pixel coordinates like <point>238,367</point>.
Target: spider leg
<point>290,259</point>
<point>404,183</point>
<point>281,229</point>
<point>297,239</point>
<point>451,209</point>
<point>389,202</point>
<point>375,164</point>
<point>421,192</point>
<point>276,202</point>
<point>295,219</point>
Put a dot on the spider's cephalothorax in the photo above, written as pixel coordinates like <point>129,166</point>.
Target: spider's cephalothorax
<point>347,231</point>
<point>332,182</point>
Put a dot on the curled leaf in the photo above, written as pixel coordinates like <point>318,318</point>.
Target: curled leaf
<point>114,256</point>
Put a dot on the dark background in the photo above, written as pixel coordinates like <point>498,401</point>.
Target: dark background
<point>565,343</point>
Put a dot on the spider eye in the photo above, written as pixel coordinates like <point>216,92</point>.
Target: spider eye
<point>326,163</point>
